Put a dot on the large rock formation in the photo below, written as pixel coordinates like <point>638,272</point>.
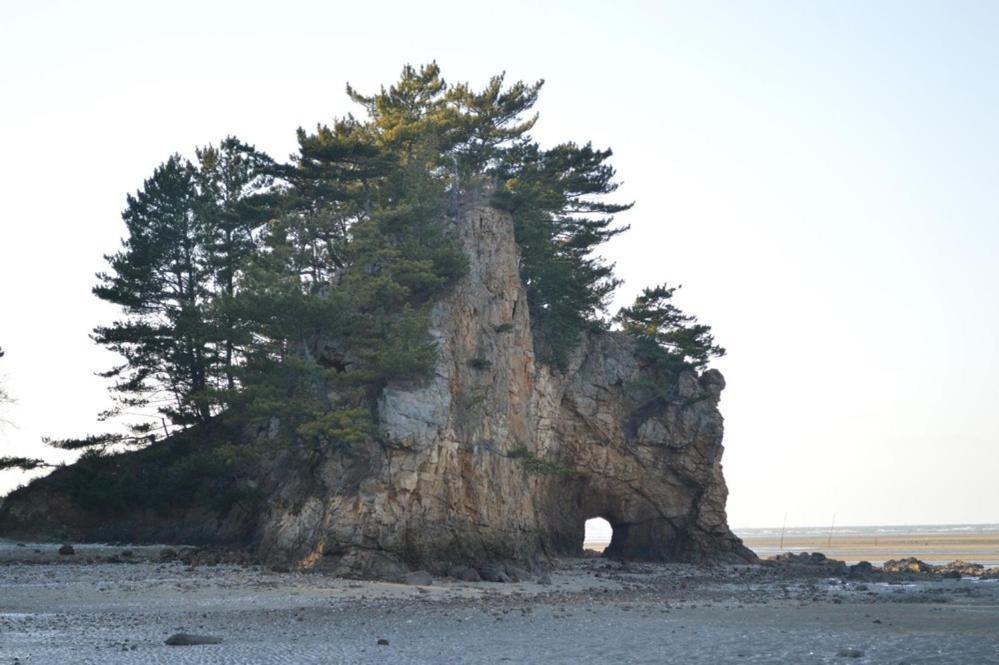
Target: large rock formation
<point>495,456</point>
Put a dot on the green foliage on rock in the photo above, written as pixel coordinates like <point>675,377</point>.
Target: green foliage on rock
<point>190,472</point>
<point>288,295</point>
<point>560,218</point>
<point>190,230</point>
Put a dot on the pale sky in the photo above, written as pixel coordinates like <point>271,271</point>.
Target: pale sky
<point>822,177</point>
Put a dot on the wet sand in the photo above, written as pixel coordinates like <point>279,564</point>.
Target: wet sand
<point>73,610</point>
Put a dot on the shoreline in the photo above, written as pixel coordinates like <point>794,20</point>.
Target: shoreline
<point>82,609</point>
<point>934,548</point>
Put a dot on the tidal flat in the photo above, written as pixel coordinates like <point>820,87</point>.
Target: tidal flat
<point>935,544</point>
<point>84,608</point>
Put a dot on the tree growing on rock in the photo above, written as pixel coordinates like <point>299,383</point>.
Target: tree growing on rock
<point>665,334</point>
<point>556,198</point>
<point>300,290</point>
<point>190,229</point>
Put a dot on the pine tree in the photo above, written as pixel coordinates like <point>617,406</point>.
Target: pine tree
<point>234,182</point>
<point>666,335</point>
<point>560,218</point>
<point>300,290</point>
<point>473,138</point>
<point>190,232</point>
<point>339,296</point>
<point>160,280</point>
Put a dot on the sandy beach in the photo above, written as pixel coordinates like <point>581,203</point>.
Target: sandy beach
<point>77,609</point>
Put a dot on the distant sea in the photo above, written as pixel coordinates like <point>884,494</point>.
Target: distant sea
<point>932,543</point>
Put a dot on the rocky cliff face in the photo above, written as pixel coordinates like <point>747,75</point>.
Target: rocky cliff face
<point>496,457</point>
<point>499,457</point>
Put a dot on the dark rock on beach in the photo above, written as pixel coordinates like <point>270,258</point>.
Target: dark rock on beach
<point>861,569</point>
<point>908,565</point>
<point>494,572</point>
<point>962,569</point>
<point>464,573</point>
<point>188,639</point>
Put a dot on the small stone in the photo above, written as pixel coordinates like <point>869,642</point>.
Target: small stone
<point>545,579</point>
<point>187,640</point>
<point>382,642</point>
<point>850,653</point>
<point>168,554</point>
<point>66,550</point>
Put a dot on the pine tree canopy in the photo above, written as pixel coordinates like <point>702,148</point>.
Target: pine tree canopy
<point>665,334</point>
<point>298,290</point>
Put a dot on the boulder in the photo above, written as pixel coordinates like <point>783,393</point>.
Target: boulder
<point>908,565</point>
<point>861,569</point>
<point>962,569</point>
<point>464,573</point>
<point>494,572</point>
